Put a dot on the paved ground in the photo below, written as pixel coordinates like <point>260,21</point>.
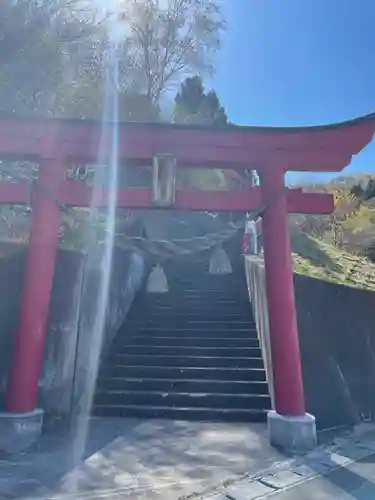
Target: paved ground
<point>135,459</point>
<point>355,481</point>
<point>167,460</point>
<point>344,470</point>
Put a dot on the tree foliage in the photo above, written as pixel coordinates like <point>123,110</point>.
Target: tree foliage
<point>195,106</point>
<point>364,191</point>
<point>42,45</point>
<point>168,40</point>
<point>53,54</point>
<point>346,206</point>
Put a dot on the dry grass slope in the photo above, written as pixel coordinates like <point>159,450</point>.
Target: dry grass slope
<point>318,259</point>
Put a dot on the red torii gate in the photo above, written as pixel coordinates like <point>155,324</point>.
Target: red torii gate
<point>55,144</point>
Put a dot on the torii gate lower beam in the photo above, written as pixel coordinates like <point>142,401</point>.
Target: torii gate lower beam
<point>75,193</point>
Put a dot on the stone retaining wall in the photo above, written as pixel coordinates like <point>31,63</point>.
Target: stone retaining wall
<point>69,345</point>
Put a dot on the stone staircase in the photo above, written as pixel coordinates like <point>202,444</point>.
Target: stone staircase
<point>190,354</point>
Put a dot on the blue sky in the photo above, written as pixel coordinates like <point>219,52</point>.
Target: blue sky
<point>299,62</point>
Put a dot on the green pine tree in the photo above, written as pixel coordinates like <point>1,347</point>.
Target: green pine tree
<point>196,107</point>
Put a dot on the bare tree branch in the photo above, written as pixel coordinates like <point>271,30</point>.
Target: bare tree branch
<point>169,40</point>
<point>42,46</point>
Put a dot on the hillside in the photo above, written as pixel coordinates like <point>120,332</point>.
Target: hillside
<point>318,259</point>
<point>348,181</point>
<point>352,225</point>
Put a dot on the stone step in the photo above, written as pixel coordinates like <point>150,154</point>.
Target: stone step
<point>194,341</point>
<point>183,400</point>
<point>166,322</point>
<point>165,385</point>
<point>183,361</point>
<point>183,373</point>
<point>185,308</point>
<point>151,350</point>
<point>244,314</point>
<point>170,331</point>
<point>189,414</point>
<point>173,298</point>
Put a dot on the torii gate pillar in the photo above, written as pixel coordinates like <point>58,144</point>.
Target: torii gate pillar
<point>22,387</point>
<point>289,425</point>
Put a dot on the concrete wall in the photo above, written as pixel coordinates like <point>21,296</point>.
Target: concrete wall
<point>337,342</point>
<point>75,343</point>
<point>12,262</point>
<point>69,345</point>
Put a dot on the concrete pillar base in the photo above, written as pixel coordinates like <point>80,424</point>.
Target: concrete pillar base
<point>292,434</point>
<point>20,431</point>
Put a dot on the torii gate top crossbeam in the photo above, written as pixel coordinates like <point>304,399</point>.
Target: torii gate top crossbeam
<point>267,150</point>
<point>320,149</point>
